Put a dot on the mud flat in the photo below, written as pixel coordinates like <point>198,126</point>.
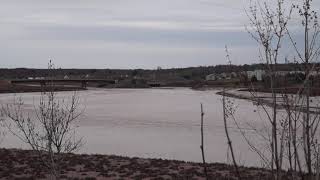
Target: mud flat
<point>265,97</point>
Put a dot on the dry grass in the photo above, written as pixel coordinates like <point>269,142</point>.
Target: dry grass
<point>24,164</point>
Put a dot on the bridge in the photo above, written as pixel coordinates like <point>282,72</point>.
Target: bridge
<point>44,82</point>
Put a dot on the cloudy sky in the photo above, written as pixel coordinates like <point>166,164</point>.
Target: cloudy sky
<point>124,33</point>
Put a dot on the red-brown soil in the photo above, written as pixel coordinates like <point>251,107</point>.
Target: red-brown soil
<point>25,164</point>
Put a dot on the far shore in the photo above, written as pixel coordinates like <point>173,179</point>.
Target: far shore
<point>27,89</point>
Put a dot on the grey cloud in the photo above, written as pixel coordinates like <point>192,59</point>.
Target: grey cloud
<point>139,35</point>
<point>124,33</point>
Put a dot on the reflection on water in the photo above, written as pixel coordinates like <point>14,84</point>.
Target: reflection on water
<point>157,123</point>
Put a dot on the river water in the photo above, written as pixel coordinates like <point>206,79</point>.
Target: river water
<point>154,123</point>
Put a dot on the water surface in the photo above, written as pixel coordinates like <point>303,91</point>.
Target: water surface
<point>154,123</point>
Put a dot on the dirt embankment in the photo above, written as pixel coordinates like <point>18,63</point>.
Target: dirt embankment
<point>24,164</point>
<point>7,87</point>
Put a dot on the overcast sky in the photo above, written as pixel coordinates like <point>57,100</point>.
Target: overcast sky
<point>124,33</point>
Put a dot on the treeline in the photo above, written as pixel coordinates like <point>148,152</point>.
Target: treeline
<point>190,73</point>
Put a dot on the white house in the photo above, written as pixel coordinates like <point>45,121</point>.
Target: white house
<point>256,73</point>
<point>224,75</point>
<point>39,78</point>
<point>211,77</point>
<point>233,75</point>
<point>259,74</point>
<point>214,77</point>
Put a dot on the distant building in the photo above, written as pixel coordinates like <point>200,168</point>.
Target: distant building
<point>38,78</point>
<point>214,77</point>
<point>296,72</point>
<point>282,73</point>
<point>314,73</point>
<point>224,75</point>
<point>258,74</point>
<point>211,77</point>
<point>66,77</point>
<point>233,75</point>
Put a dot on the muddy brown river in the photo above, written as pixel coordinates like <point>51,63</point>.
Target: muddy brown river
<point>154,123</point>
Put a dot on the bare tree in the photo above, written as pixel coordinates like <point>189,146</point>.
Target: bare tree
<point>297,132</point>
<point>308,57</point>
<point>2,125</point>
<point>50,131</point>
<point>294,136</point>
<point>228,110</point>
<point>202,145</point>
<point>268,28</point>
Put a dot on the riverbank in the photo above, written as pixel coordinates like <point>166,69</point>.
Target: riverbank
<point>265,98</point>
<point>21,88</point>
<point>258,98</point>
<point>24,164</point>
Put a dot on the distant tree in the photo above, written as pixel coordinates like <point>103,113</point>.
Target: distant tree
<point>135,72</point>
